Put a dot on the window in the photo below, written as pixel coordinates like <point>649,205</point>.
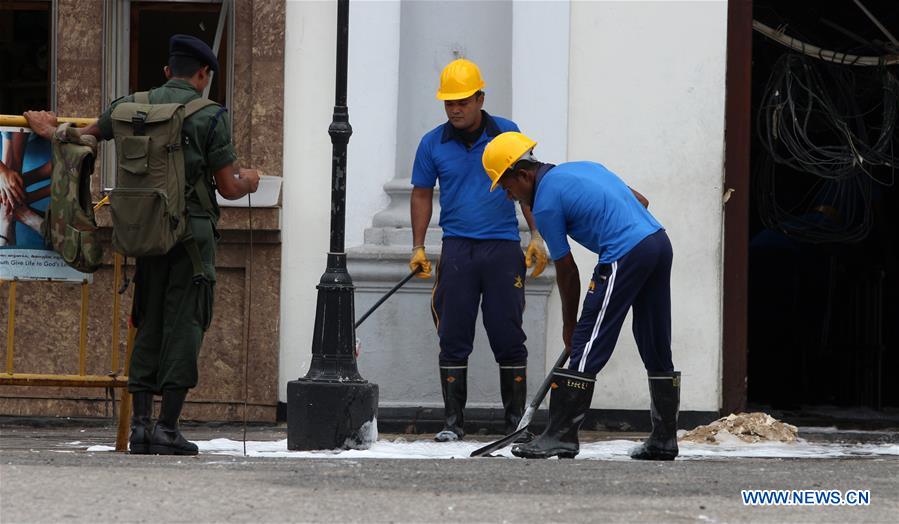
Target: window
<point>136,46</point>
<point>26,52</point>
<point>153,23</point>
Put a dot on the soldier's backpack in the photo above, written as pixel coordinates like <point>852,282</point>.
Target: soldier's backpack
<point>149,214</point>
<point>69,226</point>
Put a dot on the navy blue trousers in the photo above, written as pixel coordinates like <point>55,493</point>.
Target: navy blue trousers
<point>489,273</point>
<point>640,279</point>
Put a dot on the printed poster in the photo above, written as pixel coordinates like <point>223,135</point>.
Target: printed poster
<point>24,196</point>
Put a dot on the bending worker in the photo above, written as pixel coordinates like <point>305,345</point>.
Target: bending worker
<point>171,309</point>
<point>587,202</point>
<point>480,261</point>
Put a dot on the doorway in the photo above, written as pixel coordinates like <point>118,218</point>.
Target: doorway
<point>822,277</point>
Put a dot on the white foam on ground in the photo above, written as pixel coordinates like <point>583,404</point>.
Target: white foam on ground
<point>620,449</point>
<point>101,448</point>
<point>836,430</point>
<point>603,450</point>
<point>368,435</point>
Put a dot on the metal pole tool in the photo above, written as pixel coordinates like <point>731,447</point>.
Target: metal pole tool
<point>528,414</point>
<point>387,295</point>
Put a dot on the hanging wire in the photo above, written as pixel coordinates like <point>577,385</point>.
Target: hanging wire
<point>834,127</point>
<point>780,36</point>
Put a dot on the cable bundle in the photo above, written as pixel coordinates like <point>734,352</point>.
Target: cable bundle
<point>810,120</point>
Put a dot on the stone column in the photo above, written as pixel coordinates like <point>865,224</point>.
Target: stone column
<point>411,43</point>
<point>399,345</point>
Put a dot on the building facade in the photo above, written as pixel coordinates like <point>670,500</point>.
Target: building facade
<point>93,52</point>
<point>636,86</point>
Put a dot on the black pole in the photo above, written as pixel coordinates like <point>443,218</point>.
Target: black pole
<point>333,406</point>
<point>340,131</point>
<point>386,296</point>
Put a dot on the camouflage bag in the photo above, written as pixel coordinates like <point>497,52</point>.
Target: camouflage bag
<point>69,225</point>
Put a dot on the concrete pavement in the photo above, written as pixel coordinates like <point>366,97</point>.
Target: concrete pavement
<point>45,477</point>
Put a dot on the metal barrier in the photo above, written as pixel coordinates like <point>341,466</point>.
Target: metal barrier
<point>116,378</point>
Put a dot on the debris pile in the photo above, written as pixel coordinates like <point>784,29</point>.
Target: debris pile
<point>743,427</point>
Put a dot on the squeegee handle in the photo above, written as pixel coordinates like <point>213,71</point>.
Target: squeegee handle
<point>541,393</point>
<point>526,418</point>
<point>387,295</point>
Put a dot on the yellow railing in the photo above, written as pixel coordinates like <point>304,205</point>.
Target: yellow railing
<point>19,121</point>
<point>116,378</point>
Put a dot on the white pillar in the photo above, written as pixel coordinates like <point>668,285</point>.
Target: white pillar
<point>399,342</point>
<point>309,67</point>
<point>540,36</point>
<point>540,48</point>
<point>372,99</point>
<point>647,101</point>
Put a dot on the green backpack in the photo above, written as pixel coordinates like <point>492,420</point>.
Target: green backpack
<point>69,226</point>
<point>149,214</point>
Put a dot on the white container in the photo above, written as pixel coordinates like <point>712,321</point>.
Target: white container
<point>266,194</point>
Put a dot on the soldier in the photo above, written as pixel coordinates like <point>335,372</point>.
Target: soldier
<point>171,309</point>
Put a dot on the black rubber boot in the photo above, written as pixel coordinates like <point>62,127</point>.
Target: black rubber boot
<point>664,390</point>
<point>513,386</point>
<point>141,412</point>
<point>166,438</point>
<point>569,401</point>
<point>454,385</point>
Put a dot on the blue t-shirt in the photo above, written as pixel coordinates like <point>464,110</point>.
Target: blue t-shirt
<point>589,203</point>
<point>467,207</point>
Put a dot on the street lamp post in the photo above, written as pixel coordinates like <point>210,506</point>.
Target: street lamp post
<point>333,406</point>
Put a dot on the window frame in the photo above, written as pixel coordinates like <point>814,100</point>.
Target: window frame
<point>117,63</point>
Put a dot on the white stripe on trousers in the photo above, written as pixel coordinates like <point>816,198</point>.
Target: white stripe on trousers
<point>599,317</point>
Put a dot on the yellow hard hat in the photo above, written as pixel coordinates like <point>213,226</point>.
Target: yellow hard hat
<point>460,79</point>
<point>502,152</point>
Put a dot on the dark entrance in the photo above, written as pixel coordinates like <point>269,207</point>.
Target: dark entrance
<point>25,56</point>
<point>153,23</point>
<point>823,275</point>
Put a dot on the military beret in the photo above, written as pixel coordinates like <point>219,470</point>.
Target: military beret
<point>186,45</point>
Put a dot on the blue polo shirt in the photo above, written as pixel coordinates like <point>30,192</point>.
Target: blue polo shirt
<point>589,203</point>
<point>467,207</point>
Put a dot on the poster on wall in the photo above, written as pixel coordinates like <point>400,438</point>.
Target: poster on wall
<point>24,196</point>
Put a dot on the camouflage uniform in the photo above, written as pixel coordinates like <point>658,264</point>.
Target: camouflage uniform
<point>170,311</point>
<point>69,225</point>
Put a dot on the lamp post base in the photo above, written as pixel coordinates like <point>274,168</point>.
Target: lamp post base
<point>331,415</point>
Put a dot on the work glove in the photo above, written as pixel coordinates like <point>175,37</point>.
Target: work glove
<point>536,255</point>
<point>420,260</point>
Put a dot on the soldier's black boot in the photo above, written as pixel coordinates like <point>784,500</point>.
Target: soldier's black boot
<point>569,401</point>
<point>166,438</point>
<point>664,390</point>
<point>141,412</point>
<point>454,385</point>
<point>513,387</point>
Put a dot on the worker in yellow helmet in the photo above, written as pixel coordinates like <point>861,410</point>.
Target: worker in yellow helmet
<point>588,203</point>
<point>481,262</point>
